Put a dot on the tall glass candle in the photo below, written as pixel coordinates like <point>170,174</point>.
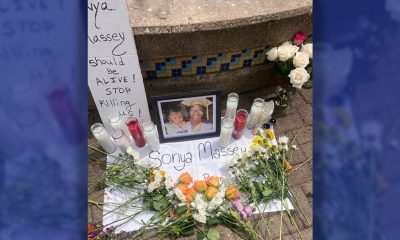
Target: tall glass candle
<point>121,140</point>
<point>151,134</point>
<point>226,131</point>
<point>255,113</point>
<point>117,122</point>
<point>102,137</point>
<point>267,111</point>
<point>136,131</point>
<point>240,123</point>
<point>231,105</point>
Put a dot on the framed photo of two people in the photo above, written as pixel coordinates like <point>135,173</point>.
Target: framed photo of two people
<point>187,116</point>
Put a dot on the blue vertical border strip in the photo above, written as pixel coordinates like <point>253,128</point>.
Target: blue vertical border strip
<point>356,119</point>
<point>43,119</point>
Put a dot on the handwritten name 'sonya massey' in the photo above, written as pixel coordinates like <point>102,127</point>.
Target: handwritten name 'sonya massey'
<point>204,151</point>
<point>118,37</point>
<point>110,37</point>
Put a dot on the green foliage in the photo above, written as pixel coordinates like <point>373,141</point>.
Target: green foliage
<point>212,234</point>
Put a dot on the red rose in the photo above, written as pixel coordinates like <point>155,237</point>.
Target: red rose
<point>299,38</point>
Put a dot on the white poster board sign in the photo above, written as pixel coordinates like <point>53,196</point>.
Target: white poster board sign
<point>114,75</point>
<point>201,158</point>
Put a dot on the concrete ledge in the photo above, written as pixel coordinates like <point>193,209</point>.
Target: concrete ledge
<point>214,26</point>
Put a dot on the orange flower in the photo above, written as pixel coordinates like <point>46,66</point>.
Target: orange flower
<point>200,185</point>
<point>184,188</point>
<point>211,192</point>
<point>231,193</point>
<point>91,228</point>
<point>287,165</point>
<point>213,181</point>
<point>163,173</point>
<point>190,195</point>
<point>185,178</point>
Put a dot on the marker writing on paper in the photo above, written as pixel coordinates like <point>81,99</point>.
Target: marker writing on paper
<point>96,7</point>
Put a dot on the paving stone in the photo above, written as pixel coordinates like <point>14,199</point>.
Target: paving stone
<point>297,100</point>
<point>307,190</point>
<point>288,123</point>
<point>282,112</point>
<point>304,212</point>
<point>306,113</point>
<point>306,234</point>
<point>302,175</point>
<point>273,230</point>
<point>307,149</point>
<point>307,95</point>
<point>296,156</point>
<point>305,135</point>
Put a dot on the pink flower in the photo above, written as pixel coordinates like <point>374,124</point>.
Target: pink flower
<point>243,215</point>
<point>237,205</point>
<point>299,38</point>
<point>248,210</point>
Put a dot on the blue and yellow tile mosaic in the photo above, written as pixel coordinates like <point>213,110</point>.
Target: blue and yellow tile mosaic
<point>194,65</point>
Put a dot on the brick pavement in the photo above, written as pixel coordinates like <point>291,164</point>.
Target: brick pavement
<point>297,117</point>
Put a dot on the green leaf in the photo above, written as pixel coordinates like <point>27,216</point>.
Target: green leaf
<point>188,231</point>
<point>212,221</point>
<point>266,192</point>
<point>158,197</point>
<point>181,209</point>
<point>201,236</point>
<point>307,85</point>
<point>213,234</point>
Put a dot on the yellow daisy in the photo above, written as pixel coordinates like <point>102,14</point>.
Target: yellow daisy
<point>269,134</point>
<point>257,141</point>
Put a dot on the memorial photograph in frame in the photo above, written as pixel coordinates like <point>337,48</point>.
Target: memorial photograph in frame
<point>187,116</point>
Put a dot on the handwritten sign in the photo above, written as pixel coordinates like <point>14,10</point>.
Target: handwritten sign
<point>115,80</point>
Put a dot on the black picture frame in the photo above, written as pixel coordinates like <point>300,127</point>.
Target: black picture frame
<point>165,107</point>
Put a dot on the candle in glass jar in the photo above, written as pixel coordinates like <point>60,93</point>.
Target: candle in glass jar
<point>117,122</point>
<point>255,113</point>
<point>240,123</point>
<point>102,137</point>
<point>136,131</point>
<point>231,105</point>
<point>151,134</point>
<point>121,140</point>
<point>226,131</point>
<point>267,111</point>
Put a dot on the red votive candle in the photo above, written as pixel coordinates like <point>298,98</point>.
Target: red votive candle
<point>136,131</point>
<point>240,123</point>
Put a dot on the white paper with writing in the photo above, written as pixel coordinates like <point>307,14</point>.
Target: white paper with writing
<point>201,158</point>
<point>114,75</point>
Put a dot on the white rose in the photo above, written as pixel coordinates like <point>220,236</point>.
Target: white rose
<point>272,54</point>
<point>308,49</point>
<point>298,77</point>
<point>301,60</point>
<point>287,51</point>
<point>200,218</point>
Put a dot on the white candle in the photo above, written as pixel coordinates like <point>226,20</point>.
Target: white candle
<point>255,113</point>
<point>267,112</point>
<point>231,105</point>
<point>117,122</point>
<point>151,135</point>
<point>121,140</point>
<point>226,131</point>
<point>102,137</point>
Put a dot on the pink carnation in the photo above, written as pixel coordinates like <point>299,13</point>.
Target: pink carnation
<point>299,38</point>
